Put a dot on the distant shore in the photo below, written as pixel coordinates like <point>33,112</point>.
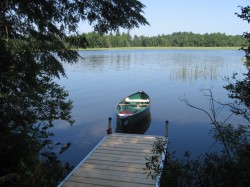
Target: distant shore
<point>160,48</point>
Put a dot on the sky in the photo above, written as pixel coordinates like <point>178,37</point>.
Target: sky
<point>197,16</point>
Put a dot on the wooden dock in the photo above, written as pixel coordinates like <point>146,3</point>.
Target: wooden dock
<point>117,161</point>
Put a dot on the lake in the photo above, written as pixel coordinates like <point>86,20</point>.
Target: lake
<point>101,79</point>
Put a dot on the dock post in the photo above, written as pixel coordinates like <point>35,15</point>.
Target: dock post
<point>166,129</point>
<point>163,155</point>
<point>109,130</point>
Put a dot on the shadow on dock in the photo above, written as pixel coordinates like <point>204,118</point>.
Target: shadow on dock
<point>139,127</point>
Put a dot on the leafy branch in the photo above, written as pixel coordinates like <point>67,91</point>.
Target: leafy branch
<point>153,164</point>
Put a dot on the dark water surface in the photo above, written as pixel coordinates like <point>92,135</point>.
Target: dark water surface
<point>102,78</point>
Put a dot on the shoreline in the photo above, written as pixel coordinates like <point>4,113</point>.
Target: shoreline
<point>158,48</point>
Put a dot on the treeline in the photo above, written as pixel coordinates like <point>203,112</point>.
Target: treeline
<point>177,39</point>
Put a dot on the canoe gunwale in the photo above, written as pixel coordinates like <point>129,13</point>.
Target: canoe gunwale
<point>143,102</point>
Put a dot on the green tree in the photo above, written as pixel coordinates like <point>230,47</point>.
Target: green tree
<point>239,90</point>
<point>179,39</point>
<point>33,47</point>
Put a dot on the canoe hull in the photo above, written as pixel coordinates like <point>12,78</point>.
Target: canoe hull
<point>134,118</point>
<point>133,108</point>
<point>139,126</point>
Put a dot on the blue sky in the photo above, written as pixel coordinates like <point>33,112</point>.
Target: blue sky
<point>197,16</point>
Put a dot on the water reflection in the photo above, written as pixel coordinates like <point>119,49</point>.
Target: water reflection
<point>134,128</point>
<point>180,65</point>
<point>96,62</point>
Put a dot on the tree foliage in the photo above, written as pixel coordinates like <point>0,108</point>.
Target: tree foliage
<point>239,90</point>
<point>33,48</point>
<point>176,39</point>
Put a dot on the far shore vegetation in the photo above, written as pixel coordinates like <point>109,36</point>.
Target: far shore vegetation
<point>177,40</point>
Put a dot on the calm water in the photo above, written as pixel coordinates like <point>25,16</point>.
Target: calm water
<point>102,78</point>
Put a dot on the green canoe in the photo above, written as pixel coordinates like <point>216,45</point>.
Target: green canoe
<point>133,108</point>
<point>139,127</point>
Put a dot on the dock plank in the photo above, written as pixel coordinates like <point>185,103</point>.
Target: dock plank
<point>118,161</point>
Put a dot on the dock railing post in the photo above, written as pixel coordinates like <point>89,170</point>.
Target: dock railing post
<point>163,155</point>
<point>166,129</point>
<point>109,130</point>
